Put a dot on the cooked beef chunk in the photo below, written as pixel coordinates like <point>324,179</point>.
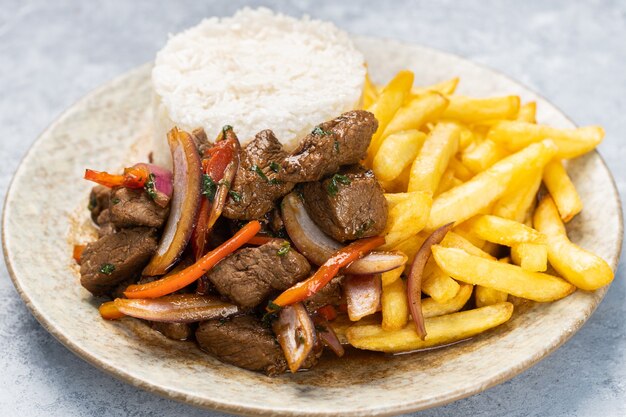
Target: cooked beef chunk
<point>244,342</point>
<point>250,275</point>
<point>256,185</point>
<point>201,140</point>
<point>348,205</point>
<point>330,294</point>
<point>106,229</point>
<point>116,257</point>
<point>341,141</point>
<point>175,331</point>
<point>98,201</point>
<point>276,223</point>
<point>130,208</point>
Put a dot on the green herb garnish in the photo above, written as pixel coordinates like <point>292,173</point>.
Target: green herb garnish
<point>320,132</point>
<point>115,201</point>
<point>259,172</point>
<point>150,187</point>
<point>364,228</point>
<point>208,187</point>
<point>336,146</point>
<point>235,196</point>
<point>275,181</point>
<point>274,166</point>
<point>333,184</point>
<point>107,269</point>
<point>272,313</point>
<point>93,202</point>
<point>226,128</point>
<point>284,249</point>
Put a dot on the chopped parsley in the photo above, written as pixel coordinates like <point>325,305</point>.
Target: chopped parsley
<point>93,202</point>
<point>274,166</point>
<point>272,313</point>
<point>275,181</point>
<point>208,187</point>
<point>336,146</point>
<point>284,249</point>
<point>115,201</point>
<point>226,128</point>
<point>333,184</point>
<point>107,269</point>
<point>320,132</point>
<point>364,228</point>
<point>235,196</point>
<point>259,172</point>
<point>150,187</point>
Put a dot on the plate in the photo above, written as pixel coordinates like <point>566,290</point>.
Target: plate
<point>45,214</point>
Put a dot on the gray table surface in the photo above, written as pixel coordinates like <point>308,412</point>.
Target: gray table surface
<point>52,53</point>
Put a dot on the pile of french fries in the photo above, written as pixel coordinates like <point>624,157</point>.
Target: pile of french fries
<point>480,163</point>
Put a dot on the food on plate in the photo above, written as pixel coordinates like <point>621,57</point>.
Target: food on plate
<point>300,207</point>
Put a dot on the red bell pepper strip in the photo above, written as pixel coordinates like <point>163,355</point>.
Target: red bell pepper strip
<point>328,312</point>
<point>175,282</point>
<point>340,259</point>
<point>77,253</point>
<point>109,311</point>
<point>133,177</point>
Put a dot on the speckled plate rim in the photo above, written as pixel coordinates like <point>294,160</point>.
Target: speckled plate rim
<point>251,411</point>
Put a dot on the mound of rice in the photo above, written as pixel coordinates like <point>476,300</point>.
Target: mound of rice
<point>256,70</point>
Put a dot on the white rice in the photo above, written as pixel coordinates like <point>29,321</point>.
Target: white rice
<point>256,70</point>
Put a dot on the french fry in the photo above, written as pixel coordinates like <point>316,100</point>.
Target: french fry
<point>407,216</point>
<point>503,231</point>
<point>410,246</point>
<point>530,256</point>
<point>440,330</point>
<point>516,203</point>
<point>482,156</point>
<point>562,190</point>
<point>444,87</point>
<point>527,112</point>
<point>389,277</point>
<point>385,107</point>
<point>467,138</point>
<point>417,112</point>
<point>342,323</point>
<point>474,110</point>
<point>396,153</point>
<point>486,296</point>
<point>427,169</point>
<point>469,198</point>
<point>447,182</point>
<point>460,171</point>
<point>507,278</point>
<point>431,308</point>
<point>580,267</point>
<point>454,240</point>
<point>395,306</point>
<point>370,93</point>
<point>516,135</point>
<point>438,284</point>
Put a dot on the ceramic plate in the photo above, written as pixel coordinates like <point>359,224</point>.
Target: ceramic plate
<point>45,214</point>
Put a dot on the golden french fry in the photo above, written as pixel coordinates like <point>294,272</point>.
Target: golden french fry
<point>517,203</point>
<point>527,112</point>
<point>454,240</point>
<point>389,277</point>
<point>447,182</point>
<point>578,266</point>
<point>395,306</point>
<point>487,296</point>
<point>370,92</point>
<point>503,231</point>
<point>410,246</point>
<point>386,106</point>
<point>444,87</point>
<point>473,110</point>
<point>440,330</point>
<point>427,169</point>
<point>482,156</point>
<point>396,153</point>
<point>507,278</point>
<point>342,323</point>
<point>469,198</point>
<point>562,190</point>
<point>467,138</point>
<point>438,284</point>
<point>417,112</point>
<point>431,308</point>
<point>407,216</point>
<point>530,256</point>
<point>460,171</point>
<point>515,135</point>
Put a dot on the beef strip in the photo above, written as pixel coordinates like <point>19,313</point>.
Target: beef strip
<point>329,294</point>
<point>341,141</point>
<point>98,201</point>
<point>130,208</point>
<point>244,342</point>
<point>174,331</point>
<point>347,206</point>
<point>116,257</point>
<point>201,140</point>
<point>256,184</point>
<point>250,275</point>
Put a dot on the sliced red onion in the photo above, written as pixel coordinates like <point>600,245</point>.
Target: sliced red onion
<point>177,308</point>
<point>414,280</point>
<point>162,185</point>
<point>328,336</point>
<point>295,333</point>
<point>184,206</point>
<point>317,246</point>
<point>362,293</point>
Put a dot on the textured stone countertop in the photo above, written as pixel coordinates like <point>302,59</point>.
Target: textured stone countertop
<point>573,53</point>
